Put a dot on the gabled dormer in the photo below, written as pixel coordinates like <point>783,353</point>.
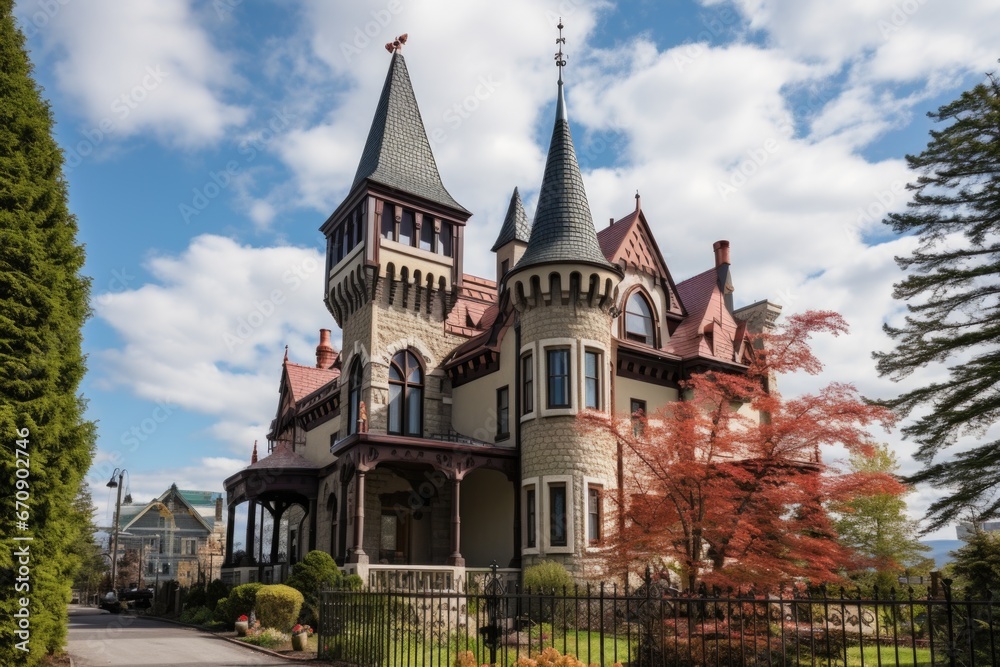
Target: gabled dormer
<point>512,240</point>
<point>398,222</point>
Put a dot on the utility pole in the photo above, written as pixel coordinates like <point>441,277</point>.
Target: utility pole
<point>112,484</point>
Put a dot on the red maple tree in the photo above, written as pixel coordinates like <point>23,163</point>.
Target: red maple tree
<point>727,487</point>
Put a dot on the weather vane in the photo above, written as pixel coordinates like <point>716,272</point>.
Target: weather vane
<point>397,44</point>
<point>560,58</point>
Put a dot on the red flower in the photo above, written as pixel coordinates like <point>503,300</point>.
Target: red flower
<point>242,619</point>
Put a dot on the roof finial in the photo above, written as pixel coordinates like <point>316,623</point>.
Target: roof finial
<point>397,44</point>
<point>253,456</point>
<point>560,58</point>
<point>286,353</point>
<point>637,200</point>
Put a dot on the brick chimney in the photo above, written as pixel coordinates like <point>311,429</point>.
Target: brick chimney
<point>324,351</point>
<point>218,508</point>
<point>725,278</point>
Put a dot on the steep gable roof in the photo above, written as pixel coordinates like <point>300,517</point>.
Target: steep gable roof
<point>397,152</point>
<point>709,331</point>
<point>283,457</point>
<point>304,380</point>
<point>162,501</point>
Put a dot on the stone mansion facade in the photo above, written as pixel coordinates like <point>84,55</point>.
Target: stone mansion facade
<point>444,433</point>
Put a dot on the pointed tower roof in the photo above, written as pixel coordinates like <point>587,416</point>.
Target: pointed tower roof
<point>563,229</point>
<point>397,152</point>
<point>515,225</point>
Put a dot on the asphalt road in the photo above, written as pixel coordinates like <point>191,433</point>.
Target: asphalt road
<point>99,638</point>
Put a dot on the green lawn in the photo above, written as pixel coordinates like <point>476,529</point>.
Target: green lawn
<point>888,657</point>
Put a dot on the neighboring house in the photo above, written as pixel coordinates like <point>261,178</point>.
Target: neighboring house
<point>444,434</point>
<point>178,535</point>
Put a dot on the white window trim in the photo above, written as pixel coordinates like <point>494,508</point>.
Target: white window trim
<point>574,369</point>
<point>587,483</point>
<point>526,484</point>
<point>587,345</point>
<point>546,482</point>
<point>529,348</point>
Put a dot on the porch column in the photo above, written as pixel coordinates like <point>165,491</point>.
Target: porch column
<point>251,527</point>
<point>230,528</point>
<point>456,526</point>
<point>312,524</point>
<point>276,512</point>
<point>359,555</point>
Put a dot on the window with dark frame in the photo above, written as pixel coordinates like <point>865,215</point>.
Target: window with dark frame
<point>504,267</point>
<point>528,383</point>
<point>594,513</point>
<point>406,395</point>
<point>557,371</point>
<point>387,227</point>
<point>354,396</point>
<point>407,227</point>
<point>592,379</point>
<point>639,320</point>
<point>444,240</point>
<point>503,412</point>
<point>531,520</point>
<point>558,533</point>
<point>427,233</point>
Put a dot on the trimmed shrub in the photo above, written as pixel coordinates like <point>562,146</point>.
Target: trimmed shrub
<point>278,606</point>
<point>309,576</point>
<point>195,596</point>
<point>547,577</point>
<point>353,582</point>
<point>214,592</point>
<point>240,601</point>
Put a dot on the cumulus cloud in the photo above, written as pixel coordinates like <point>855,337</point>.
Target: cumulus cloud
<point>143,67</point>
<point>212,325</point>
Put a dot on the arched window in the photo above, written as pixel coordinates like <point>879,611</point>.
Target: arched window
<point>639,320</point>
<point>406,395</point>
<point>354,396</point>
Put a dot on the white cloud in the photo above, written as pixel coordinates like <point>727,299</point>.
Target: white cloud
<point>143,67</point>
<point>212,325</point>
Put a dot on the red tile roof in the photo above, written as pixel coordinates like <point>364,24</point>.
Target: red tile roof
<point>612,237</point>
<point>304,380</point>
<point>283,457</point>
<point>707,314</point>
<point>475,298</point>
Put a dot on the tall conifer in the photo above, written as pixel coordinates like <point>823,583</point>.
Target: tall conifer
<point>43,305</point>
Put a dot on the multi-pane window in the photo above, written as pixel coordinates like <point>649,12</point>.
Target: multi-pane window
<point>190,547</point>
<point>354,396</point>
<point>387,226</point>
<point>166,568</point>
<point>503,412</point>
<point>427,234</point>
<point>407,226</point>
<point>594,513</point>
<point>558,529</point>
<point>444,240</point>
<point>639,320</point>
<point>528,384</point>
<point>557,369</point>
<point>406,394</point>
<point>531,517</point>
<point>592,379</point>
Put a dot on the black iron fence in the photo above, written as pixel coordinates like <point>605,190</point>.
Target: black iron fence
<point>649,626</point>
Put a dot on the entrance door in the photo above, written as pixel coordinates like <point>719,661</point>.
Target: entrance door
<point>394,538</point>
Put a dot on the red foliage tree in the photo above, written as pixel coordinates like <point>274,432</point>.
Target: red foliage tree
<point>727,484</point>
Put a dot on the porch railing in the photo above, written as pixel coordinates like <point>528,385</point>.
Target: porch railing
<point>649,626</point>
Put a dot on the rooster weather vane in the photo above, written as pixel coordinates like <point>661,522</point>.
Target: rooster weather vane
<point>396,44</point>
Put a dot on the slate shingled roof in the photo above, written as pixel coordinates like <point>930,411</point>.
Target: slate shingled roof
<point>515,225</point>
<point>563,229</point>
<point>397,152</point>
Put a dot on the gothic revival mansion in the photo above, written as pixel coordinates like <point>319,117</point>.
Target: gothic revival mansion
<point>443,435</point>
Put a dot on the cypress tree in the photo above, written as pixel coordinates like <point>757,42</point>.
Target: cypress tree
<point>952,300</point>
<point>43,305</point>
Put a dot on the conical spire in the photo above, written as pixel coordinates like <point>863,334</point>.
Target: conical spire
<point>397,152</point>
<point>563,229</point>
<point>515,225</point>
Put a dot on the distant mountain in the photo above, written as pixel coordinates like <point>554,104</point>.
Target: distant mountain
<point>941,550</point>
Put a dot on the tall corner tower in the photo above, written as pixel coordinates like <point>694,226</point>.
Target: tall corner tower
<point>394,261</point>
<point>564,290</point>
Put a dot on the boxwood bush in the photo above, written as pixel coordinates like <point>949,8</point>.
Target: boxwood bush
<point>278,606</point>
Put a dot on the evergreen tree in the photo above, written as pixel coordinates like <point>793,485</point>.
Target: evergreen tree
<point>43,304</point>
<point>952,294</point>
<point>874,525</point>
<point>976,566</point>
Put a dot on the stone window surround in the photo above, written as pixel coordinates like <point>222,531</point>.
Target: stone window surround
<point>547,481</point>
<point>530,484</point>
<point>589,483</point>
<point>577,385</point>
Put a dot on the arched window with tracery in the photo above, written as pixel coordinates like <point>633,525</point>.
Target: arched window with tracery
<point>639,324</point>
<point>354,396</point>
<point>406,395</point>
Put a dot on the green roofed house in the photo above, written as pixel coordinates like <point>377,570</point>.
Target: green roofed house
<point>178,535</point>
<point>442,435</point>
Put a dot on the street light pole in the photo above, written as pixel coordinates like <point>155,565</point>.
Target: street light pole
<point>112,484</point>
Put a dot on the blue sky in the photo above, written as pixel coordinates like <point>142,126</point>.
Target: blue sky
<point>207,142</point>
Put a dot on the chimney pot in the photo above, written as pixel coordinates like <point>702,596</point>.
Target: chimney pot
<point>324,351</point>
<point>721,249</point>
